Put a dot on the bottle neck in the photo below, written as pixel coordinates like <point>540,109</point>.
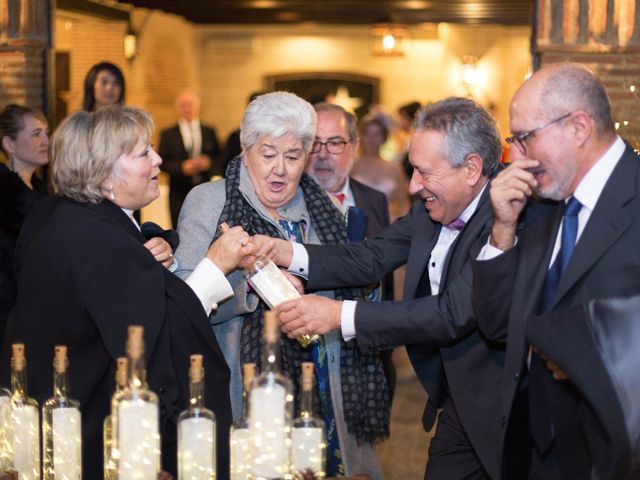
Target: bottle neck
<point>306,403</point>
<point>60,385</point>
<point>196,391</point>
<point>19,383</point>
<point>137,373</point>
<point>245,404</point>
<point>271,356</point>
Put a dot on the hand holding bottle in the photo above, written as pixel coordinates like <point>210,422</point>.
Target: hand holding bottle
<point>278,250</point>
<point>231,249</point>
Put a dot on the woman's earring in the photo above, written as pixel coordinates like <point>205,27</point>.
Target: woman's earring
<point>112,196</point>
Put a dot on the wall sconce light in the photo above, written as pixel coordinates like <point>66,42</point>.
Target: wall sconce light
<point>388,40</point>
<point>470,74</point>
<point>130,44</point>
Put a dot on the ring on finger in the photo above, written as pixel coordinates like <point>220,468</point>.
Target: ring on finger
<point>242,243</point>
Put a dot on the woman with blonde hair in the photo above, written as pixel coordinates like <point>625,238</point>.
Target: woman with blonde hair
<point>85,276</point>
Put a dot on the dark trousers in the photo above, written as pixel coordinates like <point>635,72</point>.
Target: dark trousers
<point>451,456</point>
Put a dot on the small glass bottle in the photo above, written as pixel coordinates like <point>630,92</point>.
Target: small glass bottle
<point>196,431</point>
<point>270,410</point>
<point>110,472</point>
<point>136,436</point>
<point>308,445</point>
<point>25,420</point>
<point>271,285</point>
<point>61,423</point>
<point>239,434</point>
<point>6,449</point>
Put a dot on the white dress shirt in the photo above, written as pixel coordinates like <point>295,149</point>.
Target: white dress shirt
<point>300,266</point>
<point>191,136</point>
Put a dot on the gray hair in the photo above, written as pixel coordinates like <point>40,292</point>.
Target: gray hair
<point>276,114</point>
<point>86,147</point>
<point>571,87</point>
<point>468,129</point>
<point>350,118</point>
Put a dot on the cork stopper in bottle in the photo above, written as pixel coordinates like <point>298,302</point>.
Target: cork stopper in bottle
<point>60,358</point>
<point>307,376</point>
<point>135,344</point>
<point>121,371</point>
<point>195,372</point>
<point>249,373</point>
<point>270,326</point>
<point>17,350</point>
<point>224,227</point>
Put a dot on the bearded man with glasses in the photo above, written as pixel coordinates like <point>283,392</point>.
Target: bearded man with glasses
<point>565,231</point>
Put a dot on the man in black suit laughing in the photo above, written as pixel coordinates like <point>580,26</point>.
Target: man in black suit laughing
<point>455,151</point>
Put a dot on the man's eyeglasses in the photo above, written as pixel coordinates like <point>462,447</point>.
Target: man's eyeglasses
<point>519,138</point>
<point>334,145</point>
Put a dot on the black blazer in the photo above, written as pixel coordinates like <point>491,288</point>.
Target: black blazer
<point>173,153</point>
<point>439,331</point>
<point>83,277</point>
<point>508,288</point>
<point>376,207</point>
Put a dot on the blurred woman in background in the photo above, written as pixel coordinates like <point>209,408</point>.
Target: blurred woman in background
<point>103,86</point>
<point>24,141</point>
<point>372,170</point>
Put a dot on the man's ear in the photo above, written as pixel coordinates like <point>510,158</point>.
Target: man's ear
<point>582,126</point>
<point>473,163</point>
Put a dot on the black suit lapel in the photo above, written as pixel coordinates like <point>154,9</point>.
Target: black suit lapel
<point>468,236</point>
<point>608,221</point>
<point>423,239</point>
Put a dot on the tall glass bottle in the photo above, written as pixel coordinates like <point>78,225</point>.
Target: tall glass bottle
<point>61,438</point>
<point>271,285</point>
<point>110,472</point>
<point>6,450</point>
<point>239,435</point>
<point>308,445</point>
<point>25,420</point>
<point>270,410</point>
<point>196,431</point>
<point>136,437</point>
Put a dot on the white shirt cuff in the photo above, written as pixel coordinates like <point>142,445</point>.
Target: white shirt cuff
<point>209,284</point>
<point>489,252</point>
<point>299,261</point>
<point>348,320</point>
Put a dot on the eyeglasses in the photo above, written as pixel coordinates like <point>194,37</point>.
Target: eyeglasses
<point>334,146</point>
<point>519,138</point>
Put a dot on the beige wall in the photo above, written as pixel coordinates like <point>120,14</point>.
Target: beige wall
<point>235,59</point>
<point>225,63</point>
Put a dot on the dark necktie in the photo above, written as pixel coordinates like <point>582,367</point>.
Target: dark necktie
<point>541,400</point>
<point>567,244</point>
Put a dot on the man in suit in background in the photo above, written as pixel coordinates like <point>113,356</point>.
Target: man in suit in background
<point>455,150</point>
<point>330,161</point>
<point>190,152</point>
<point>578,242</point>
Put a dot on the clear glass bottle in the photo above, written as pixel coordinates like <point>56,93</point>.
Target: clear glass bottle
<point>308,444</point>
<point>136,436</point>
<point>196,431</point>
<point>110,472</point>
<point>239,434</point>
<point>271,285</point>
<point>61,423</point>
<point>25,420</point>
<point>6,449</point>
<point>270,410</point>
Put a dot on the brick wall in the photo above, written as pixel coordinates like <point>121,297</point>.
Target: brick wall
<point>604,36</point>
<point>23,41</point>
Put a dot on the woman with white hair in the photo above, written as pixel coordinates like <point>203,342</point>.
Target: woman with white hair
<point>267,192</point>
<point>84,276</point>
